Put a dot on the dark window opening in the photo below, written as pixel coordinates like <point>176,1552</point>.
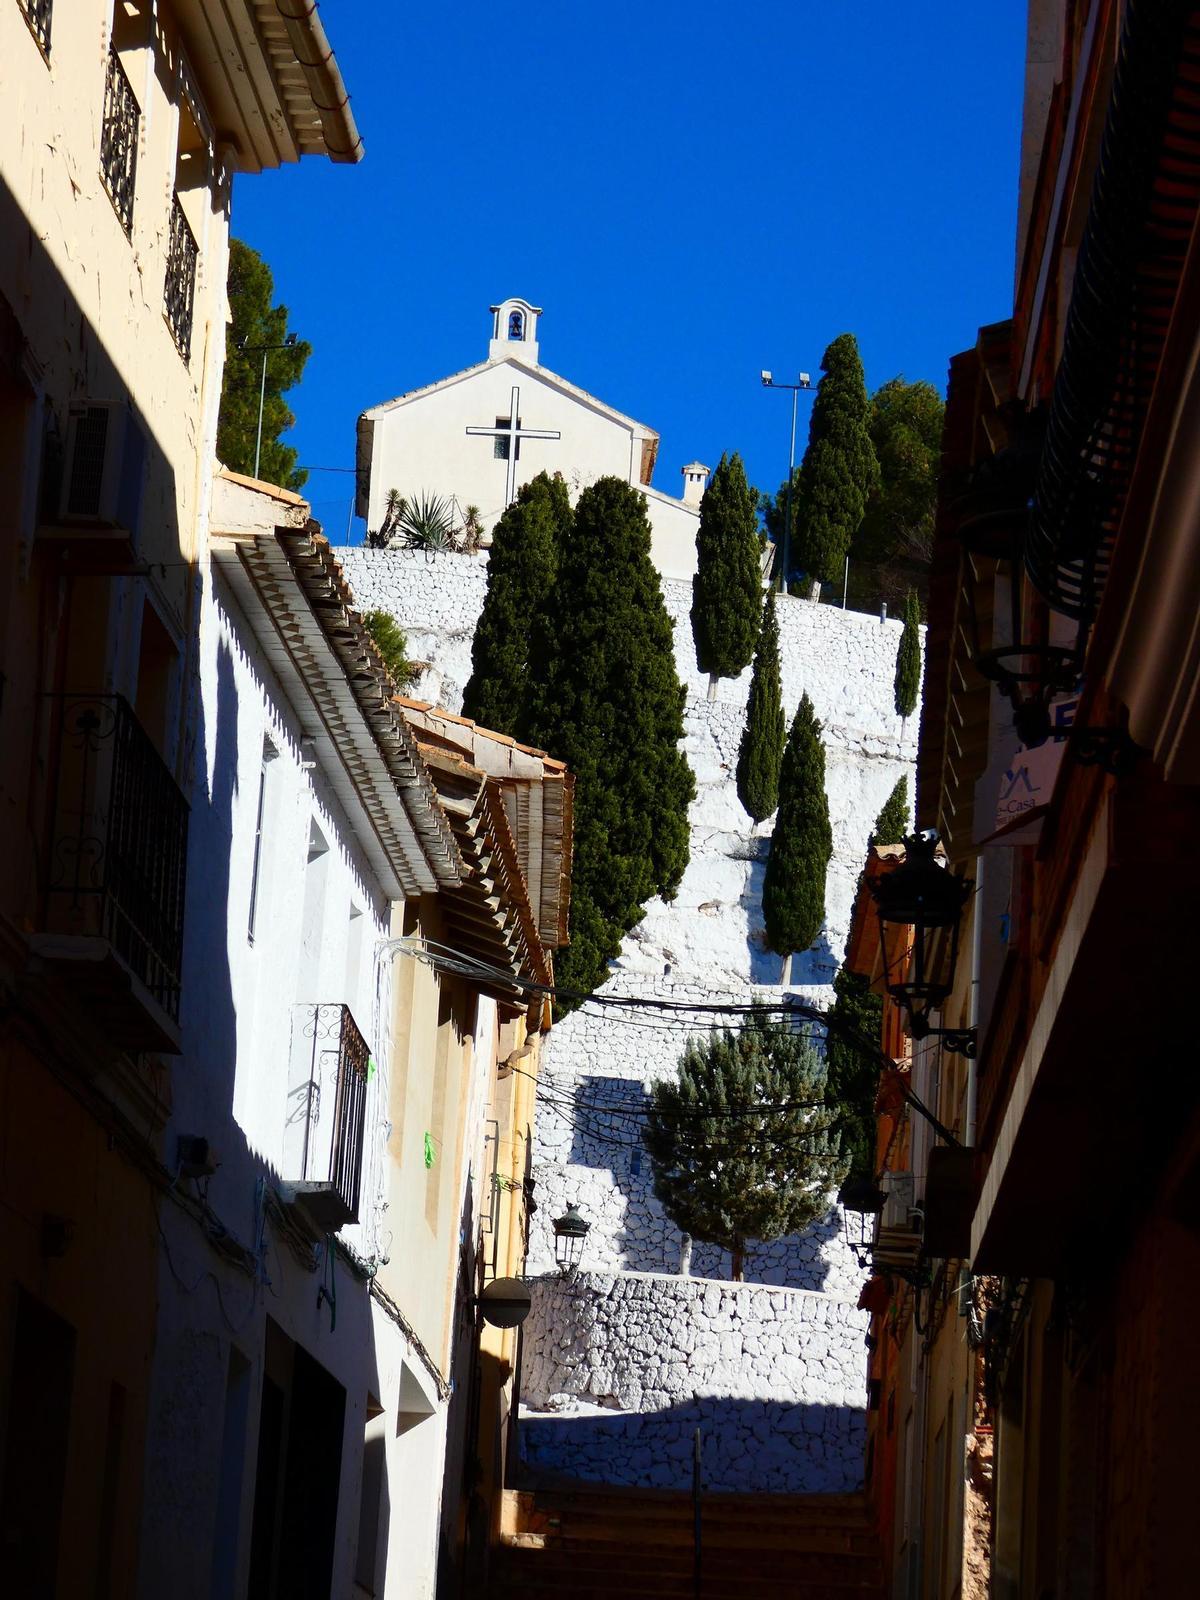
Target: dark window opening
<point>500,451</point>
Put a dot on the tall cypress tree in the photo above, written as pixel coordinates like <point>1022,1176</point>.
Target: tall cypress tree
<point>727,585</point>
<point>521,570</point>
<point>908,658</point>
<point>604,698</point>
<point>891,825</point>
<point>740,1145</point>
<point>760,753</point>
<point>839,470</point>
<point>794,885</point>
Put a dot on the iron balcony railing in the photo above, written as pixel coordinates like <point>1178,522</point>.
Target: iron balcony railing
<point>38,14</point>
<point>333,1110</point>
<point>118,859</point>
<point>179,291</point>
<point>119,140</point>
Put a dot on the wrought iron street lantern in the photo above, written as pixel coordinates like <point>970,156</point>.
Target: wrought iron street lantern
<point>925,897</point>
<point>570,1230</point>
<point>1030,653</point>
<point>862,1201</point>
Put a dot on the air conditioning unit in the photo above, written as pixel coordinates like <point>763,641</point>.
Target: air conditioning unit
<point>104,468</point>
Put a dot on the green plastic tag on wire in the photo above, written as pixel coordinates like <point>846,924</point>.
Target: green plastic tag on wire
<point>370,1068</point>
<point>429,1151</point>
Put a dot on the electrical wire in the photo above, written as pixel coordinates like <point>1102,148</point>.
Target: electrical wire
<point>445,958</point>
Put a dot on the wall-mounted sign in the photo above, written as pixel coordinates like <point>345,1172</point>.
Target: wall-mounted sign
<point>1012,796</point>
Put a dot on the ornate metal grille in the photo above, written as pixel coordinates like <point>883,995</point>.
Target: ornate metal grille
<point>119,857</point>
<point>180,288</point>
<point>340,1063</point>
<point>37,15</point>
<point>119,140</point>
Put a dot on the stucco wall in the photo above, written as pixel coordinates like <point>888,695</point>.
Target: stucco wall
<point>634,1363</point>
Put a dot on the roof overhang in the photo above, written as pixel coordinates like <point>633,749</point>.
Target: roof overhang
<point>270,81</point>
<point>291,593</point>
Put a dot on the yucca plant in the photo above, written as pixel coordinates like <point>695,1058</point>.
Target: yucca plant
<point>427,523</point>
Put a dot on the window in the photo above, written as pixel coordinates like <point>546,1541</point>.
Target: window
<point>500,449</point>
<point>121,125</point>
<point>516,325</point>
<point>38,14</point>
<point>187,201</point>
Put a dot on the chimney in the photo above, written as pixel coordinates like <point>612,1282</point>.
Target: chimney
<point>695,481</point>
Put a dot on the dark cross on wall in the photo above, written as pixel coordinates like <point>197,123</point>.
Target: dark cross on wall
<point>514,433</point>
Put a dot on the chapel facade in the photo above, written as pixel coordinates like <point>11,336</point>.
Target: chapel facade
<point>475,438</point>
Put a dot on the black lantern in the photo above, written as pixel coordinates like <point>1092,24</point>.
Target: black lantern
<point>861,1201</point>
<point>1030,653</point>
<point>570,1230</point>
<point>923,895</point>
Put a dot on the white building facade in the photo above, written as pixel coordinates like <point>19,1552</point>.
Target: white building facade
<point>314,1416</point>
<point>474,438</point>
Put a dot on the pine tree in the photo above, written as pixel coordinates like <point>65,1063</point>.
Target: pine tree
<point>727,587</point>
<point>765,734</point>
<point>793,897</point>
<point>839,470</point>
<point>852,1076</point>
<point>604,698</point>
<point>254,321</point>
<point>891,824</point>
<point>908,658</point>
<point>741,1144</point>
<point>521,569</point>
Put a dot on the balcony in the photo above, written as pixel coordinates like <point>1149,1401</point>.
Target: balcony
<point>898,1232</point>
<point>327,1108</point>
<point>115,873</point>
<point>119,140</point>
<point>179,290</point>
<point>38,14</point>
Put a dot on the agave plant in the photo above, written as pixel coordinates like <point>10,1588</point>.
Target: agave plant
<point>427,523</point>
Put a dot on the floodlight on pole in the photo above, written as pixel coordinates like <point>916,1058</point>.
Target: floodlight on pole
<point>253,349</point>
<point>803,381</point>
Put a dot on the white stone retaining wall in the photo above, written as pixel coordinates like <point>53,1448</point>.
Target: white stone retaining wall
<point>619,1369</point>
<point>779,1394</point>
<point>709,939</point>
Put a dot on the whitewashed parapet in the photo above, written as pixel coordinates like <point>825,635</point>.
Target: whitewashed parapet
<point>619,1370</point>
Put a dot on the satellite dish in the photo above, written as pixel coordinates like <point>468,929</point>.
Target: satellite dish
<point>505,1302</point>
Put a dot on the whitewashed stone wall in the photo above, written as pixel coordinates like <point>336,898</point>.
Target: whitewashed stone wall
<point>708,942</point>
<point>624,1367</point>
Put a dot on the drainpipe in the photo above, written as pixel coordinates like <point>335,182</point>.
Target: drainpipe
<point>976,949</point>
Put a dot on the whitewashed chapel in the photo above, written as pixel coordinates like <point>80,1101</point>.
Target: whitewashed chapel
<point>475,437</point>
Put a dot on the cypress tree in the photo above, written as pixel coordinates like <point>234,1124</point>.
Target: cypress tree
<point>908,658</point>
<point>891,825</point>
<point>604,698</point>
<point>741,1144</point>
<point>794,886</point>
<point>727,585</point>
<point>839,471</point>
<point>761,750</point>
<point>521,569</point>
<point>852,1076</point>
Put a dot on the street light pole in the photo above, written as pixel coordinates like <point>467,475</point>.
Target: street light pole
<point>803,381</point>
<point>252,349</point>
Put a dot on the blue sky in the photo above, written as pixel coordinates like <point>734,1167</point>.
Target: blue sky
<point>692,192</point>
